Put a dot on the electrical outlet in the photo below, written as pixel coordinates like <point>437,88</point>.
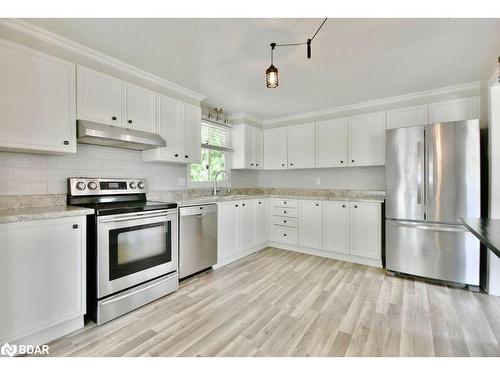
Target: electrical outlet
<point>318,181</point>
<point>181,181</point>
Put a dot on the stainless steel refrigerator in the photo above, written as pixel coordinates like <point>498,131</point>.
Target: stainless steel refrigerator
<point>432,180</point>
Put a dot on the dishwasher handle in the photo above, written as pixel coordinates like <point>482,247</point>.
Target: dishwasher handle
<point>199,210</point>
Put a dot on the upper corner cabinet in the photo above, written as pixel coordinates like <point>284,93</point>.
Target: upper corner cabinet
<point>301,146</point>
<point>37,101</point>
<point>99,97</point>
<point>366,134</point>
<point>275,148</point>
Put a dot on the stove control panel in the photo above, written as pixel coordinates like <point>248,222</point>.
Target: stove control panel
<point>104,186</point>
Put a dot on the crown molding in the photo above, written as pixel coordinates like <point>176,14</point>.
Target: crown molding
<point>377,102</point>
<point>77,48</point>
<point>245,116</point>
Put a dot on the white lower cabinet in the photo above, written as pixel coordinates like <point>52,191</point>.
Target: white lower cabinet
<point>336,226</point>
<point>242,227</point>
<point>247,223</point>
<point>311,224</point>
<point>350,231</point>
<point>42,279</point>
<point>365,228</point>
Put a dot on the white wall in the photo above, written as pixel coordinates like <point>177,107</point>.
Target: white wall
<point>363,178</point>
<point>23,174</point>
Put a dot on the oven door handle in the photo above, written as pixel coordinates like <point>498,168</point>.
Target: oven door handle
<point>131,218</point>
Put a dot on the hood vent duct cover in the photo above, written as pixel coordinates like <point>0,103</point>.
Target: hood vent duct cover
<point>94,133</point>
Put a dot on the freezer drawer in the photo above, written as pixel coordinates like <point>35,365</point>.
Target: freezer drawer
<point>436,251</point>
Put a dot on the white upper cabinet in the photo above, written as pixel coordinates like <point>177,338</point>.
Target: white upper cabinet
<point>331,143</point>
<point>191,125</point>
<point>366,134</point>
<point>257,148</point>
<point>454,110</point>
<point>311,223</point>
<point>37,101</point>
<point>365,229</point>
<point>275,148</point>
<point>248,147</point>
<point>410,116</point>
<point>180,125</point>
<point>336,226</point>
<point>139,110</point>
<point>301,146</point>
<point>99,97</point>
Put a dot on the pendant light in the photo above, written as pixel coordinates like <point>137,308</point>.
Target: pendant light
<point>272,72</point>
<point>272,80</point>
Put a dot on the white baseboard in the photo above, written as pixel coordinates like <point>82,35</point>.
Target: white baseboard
<point>51,333</point>
<point>239,255</point>
<point>328,254</point>
<point>305,250</point>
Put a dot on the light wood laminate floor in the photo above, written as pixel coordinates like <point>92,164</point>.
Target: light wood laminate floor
<point>281,303</point>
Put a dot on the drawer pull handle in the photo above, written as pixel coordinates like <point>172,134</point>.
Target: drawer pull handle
<point>66,143</point>
<point>355,206</point>
<point>75,226</point>
<point>284,234</point>
<point>284,212</point>
<point>343,206</point>
<point>317,204</point>
<point>284,221</point>
<point>113,118</point>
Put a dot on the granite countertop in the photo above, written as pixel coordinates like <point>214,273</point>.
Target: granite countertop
<point>229,198</point>
<point>486,230</point>
<point>39,213</point>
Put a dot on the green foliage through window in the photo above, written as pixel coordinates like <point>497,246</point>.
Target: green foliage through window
<point>212,161</point>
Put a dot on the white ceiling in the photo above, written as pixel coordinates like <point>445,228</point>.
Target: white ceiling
<point>353,60</point>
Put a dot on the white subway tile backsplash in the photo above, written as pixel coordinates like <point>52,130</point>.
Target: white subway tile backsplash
<point>25,174</point>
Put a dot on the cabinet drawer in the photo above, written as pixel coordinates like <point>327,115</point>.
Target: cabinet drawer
<point>275,202</point>
<point>288,212</point>
<point>284,235</point>
<point>285,221</point>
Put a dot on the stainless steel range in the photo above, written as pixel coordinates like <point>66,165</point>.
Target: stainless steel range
<point>131,245</point>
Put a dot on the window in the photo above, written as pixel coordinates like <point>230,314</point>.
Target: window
<point>215,147</point>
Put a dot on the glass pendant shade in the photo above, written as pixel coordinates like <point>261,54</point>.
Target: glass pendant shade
<point>272,77</point>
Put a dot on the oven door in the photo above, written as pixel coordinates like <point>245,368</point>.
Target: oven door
<point>135,248</point>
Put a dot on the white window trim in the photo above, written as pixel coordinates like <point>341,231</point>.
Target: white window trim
<point>205,184</point>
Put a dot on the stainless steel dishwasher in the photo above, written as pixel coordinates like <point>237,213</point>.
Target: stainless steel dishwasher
<point>197,238</point>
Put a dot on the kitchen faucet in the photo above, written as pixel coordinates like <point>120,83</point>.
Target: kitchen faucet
<point>215,181</point>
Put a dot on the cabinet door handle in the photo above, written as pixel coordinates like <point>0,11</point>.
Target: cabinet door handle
<point>341,162</point>
<point>355,206</point>
<point>260,202</point>
<point>243,204</point>
<point>284,212</point>
<point>343,206</point>
<point>282,165</point>
<point>284,221</point>
<point>186,156</point>
<point>317,204</point>
<point>352,161</point>
<point>129,121</point>
<point>235,205</point>
<point>284,234</point>
<point>251,164</point>
<point>291,163</point>
<point>176,155</point>
<point>66,143</point>
<point>75,226</point>
<point>256,165</point>
<point>113,118</point>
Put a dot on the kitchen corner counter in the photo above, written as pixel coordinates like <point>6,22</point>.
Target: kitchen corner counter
<point>486,230</point>
<point>40,213</point>
<point>230,198</point>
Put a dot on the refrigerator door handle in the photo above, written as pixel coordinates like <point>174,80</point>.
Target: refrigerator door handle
<point>419,172</point>
<point>435,227</point>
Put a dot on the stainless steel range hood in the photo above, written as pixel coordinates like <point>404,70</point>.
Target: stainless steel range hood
<point>114,136</point>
